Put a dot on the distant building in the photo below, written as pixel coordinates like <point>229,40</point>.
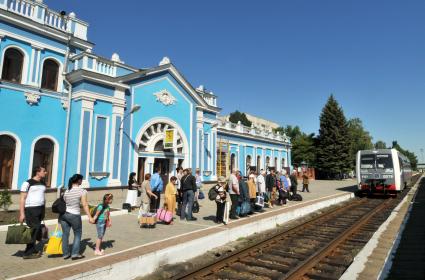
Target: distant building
<point>257,122</point>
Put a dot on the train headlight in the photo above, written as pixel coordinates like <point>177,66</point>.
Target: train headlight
<point>365,176</point>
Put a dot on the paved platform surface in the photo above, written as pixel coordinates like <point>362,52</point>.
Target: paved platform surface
<point>125,234</point>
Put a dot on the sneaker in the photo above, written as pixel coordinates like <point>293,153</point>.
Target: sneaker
<point>32,256</point>
<point>77,257</point>
<point>66,257</point>
<point>192,219</point>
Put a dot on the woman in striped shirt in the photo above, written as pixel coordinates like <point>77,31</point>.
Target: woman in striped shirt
<point>73,196</point>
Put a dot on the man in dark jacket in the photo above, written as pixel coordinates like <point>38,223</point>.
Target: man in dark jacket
<point>294,182</point>
<point>270,184</point>
<point>188,187</point>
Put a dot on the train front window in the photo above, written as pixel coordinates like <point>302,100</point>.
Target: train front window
<point>384,161</point>
<point>367,161</point>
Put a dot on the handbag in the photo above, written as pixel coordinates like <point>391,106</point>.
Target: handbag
<point>259,201</point>
<point>201,195</point>
<point>54,246</point>
<point>164,215</point>
<point>195,208</point>
<point>19,234</point>
<point>59,206</point>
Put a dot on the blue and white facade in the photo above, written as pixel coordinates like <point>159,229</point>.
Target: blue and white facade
<point>64,107</point>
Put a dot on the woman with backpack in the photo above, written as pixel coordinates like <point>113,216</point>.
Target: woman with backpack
<point>73,196</point>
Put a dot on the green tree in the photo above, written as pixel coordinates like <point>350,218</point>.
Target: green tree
<point>410,155</point>
<point>360,139</point>
<point>333,149</point>
<point>303,148</point>
<point>237,116</point>
<point>380,145</point>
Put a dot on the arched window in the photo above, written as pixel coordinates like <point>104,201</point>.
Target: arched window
<point>7,160</point>
<point>275,163</point>
<point>283,163</point>
<point>43,156</point>
<point>258,164</point>
<point>248,164</point>
<point>232,162</point>
<point>267,162</point>
<point>50,74</point>
<point>159,146</point>
<point>12,65</point>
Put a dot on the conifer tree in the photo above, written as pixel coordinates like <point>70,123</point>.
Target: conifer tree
<point>333,148</point>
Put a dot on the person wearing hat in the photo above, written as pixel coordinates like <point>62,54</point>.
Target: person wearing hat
<point>220,200</point>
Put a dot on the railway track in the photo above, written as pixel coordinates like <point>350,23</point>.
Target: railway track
<point>321,248</point>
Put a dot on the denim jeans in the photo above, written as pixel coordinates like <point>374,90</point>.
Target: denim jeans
<point>69,221</point>
<point>188,198</point>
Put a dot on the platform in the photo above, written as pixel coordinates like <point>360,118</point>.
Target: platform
<point>128,246</point>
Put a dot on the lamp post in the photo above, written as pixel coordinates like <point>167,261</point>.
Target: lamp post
<point>134,109</point>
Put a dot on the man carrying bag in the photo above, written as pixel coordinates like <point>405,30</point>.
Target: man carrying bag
<point>32,209</point>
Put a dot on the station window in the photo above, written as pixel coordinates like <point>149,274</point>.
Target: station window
<point>12,65</point>
<point>50,74</point>
<point>7,158</point>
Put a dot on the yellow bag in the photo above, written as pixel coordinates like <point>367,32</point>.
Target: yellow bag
<point>54,246</point>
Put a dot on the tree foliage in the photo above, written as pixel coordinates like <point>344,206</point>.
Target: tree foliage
<point>360,139</point>
<point>380,145</point>
<point>303,147</point>
<point>237,116</point>
<point>333,146</point>
<point>410,155</point>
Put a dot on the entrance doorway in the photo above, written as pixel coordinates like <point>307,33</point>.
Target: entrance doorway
<point>164,165</point>
<point>141,170</point>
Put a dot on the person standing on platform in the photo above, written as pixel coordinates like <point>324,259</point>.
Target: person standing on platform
<point>157,185</point>
<point>32,208</point>
<point>305,182</point>
<point>198,182</point>
<point>220,200</point>
<point>261,183</point>
<point>234,194</point>
<point>189,188</point>
<point>252,189</point>
<point>146,194</point>
<point>294,182</point>
<point>270,185</point>
<point>170,195</point>
<point>132,190</point>
<point>179,195</point>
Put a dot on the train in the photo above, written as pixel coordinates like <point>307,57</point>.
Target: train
<point>385,171</point>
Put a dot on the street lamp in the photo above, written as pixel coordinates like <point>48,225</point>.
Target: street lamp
<point>134,109</point>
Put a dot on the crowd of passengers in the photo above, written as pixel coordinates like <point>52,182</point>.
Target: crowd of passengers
<point>234,196</point>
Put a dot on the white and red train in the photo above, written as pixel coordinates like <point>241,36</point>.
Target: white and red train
<point>382,171</point>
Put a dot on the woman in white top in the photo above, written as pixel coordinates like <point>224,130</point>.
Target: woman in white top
<point>73,196</point>
<point>132,190</point>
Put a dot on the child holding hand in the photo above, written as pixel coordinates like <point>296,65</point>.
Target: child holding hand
<point>103,220</point>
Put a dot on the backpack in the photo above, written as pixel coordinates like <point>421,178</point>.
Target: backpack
<point>296,197</point>
<point>93,210</point>
<point>212,193</point>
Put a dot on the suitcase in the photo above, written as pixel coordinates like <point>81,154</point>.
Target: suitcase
<point>164,215</point>
<point>126,206</point>
<point>147,220</point>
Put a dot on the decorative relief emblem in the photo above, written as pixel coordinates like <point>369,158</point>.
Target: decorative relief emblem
<point>32,98</point>
<point>165,97</point>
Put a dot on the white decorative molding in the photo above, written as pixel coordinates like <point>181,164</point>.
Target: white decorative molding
<point>165,97</point>
<point>32,98</point>
<point>165,60</point>
<point>65,104</point>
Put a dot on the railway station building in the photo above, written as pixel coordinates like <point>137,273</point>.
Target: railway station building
<point>72,111</point>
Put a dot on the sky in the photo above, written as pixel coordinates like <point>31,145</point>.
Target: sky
<point>281,60</point>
